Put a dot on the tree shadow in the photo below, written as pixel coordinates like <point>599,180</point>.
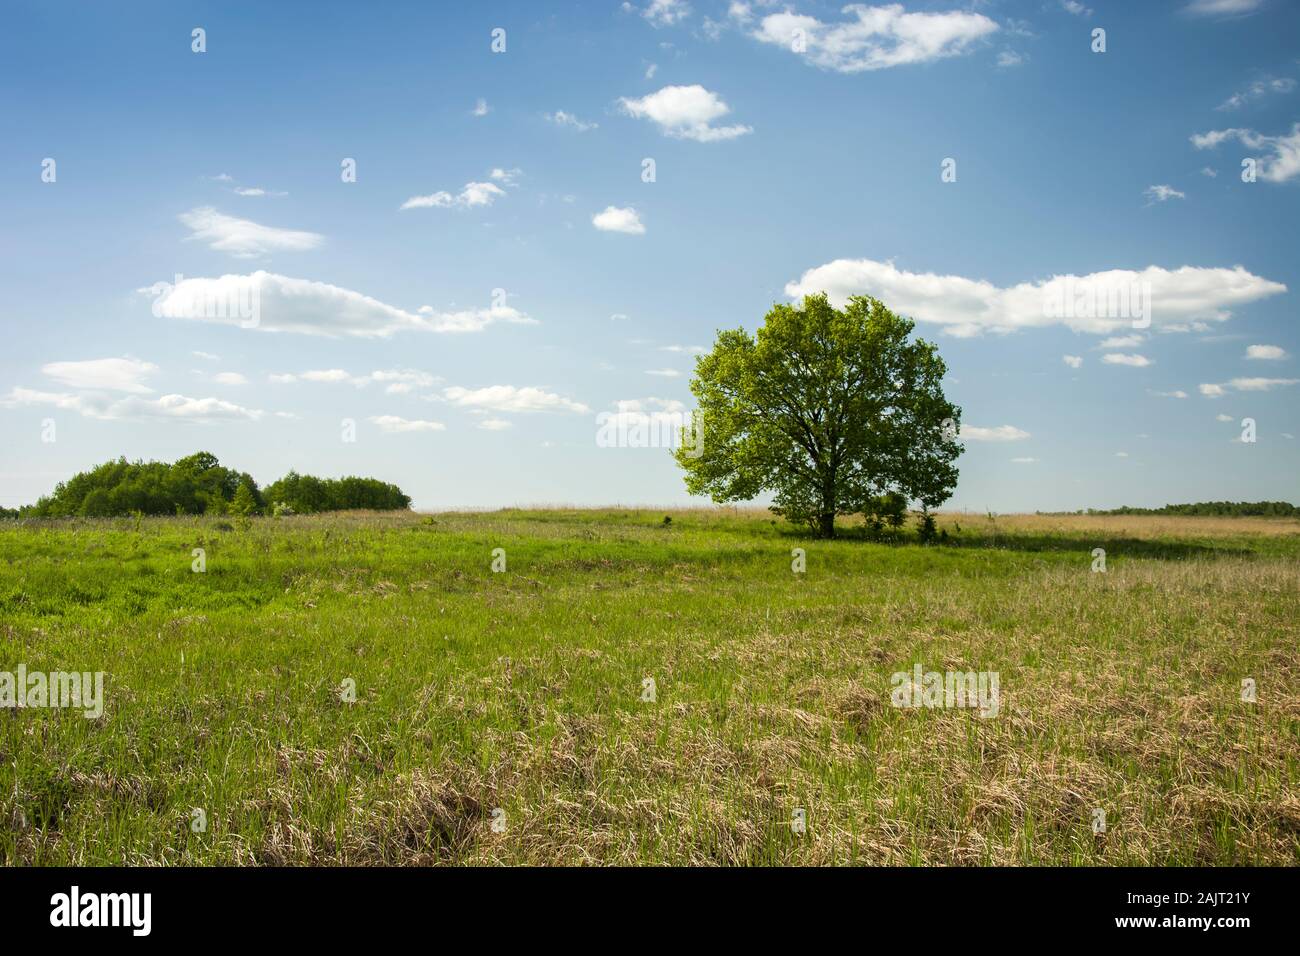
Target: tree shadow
<point>1113,545</point>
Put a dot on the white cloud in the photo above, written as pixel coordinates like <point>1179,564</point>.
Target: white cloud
<point>134,407</point>
<point>507,177</point>
<point>966,307</point>
<point>1210,172</point>
<point>1121,454</point>
<point>1217,8</point>
<point>397,381</point>
<point>1260,384</point>
<point>651,70</point>
<point>1256,91</point>
<point>243,238</point>
<point>509,398</point>
<point>1074,361</point>
<point>1163,193</point>
<point>664,372</point>
<point>395,425</point>
<point>1177,393</point>
<point>1000,433</point>
<point>1121,342</point>
<point>1282,160</point>
<point>481,107</point>
<point>647,415</point>
<point>1078,9</point>
<point>473,194</point>
<point>114,374</point>
<point>568,120</point>
<point>1245,385</point>
<point>207,355</point>
<point>1025,461</point>
<point>879,37</point>
<point>615,219</point>
<point>494,424</point>
<point>1118,358</point>
<point>1010,58</point>
<point>1266,352</point>
<point>284,304</point>
<point>663,13</point>
<point>1222,417</point>
<point>685,112</point>
<point>229,378</point>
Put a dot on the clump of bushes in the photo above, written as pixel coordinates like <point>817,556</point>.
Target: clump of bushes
<point>199,484</point>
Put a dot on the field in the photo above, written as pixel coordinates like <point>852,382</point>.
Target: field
<point>501,717</point>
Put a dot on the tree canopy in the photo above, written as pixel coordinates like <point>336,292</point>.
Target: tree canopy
<point>832,411</point>
<point>200,484</point>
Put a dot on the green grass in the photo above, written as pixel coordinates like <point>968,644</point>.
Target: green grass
<point>522,690</point>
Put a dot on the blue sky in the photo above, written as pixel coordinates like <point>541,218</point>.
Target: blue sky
<point>500,272</point>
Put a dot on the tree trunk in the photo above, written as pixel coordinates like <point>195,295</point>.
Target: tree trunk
<point>826,525</point>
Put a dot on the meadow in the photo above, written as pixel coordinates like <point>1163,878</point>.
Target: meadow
<point>364,688</point>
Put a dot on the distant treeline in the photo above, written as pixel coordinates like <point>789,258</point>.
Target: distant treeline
<point>200,484</point>
<point>1269,509</point>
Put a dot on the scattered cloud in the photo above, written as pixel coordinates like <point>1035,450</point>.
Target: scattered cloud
<point>1246,385</point>
<point>685,112</point>
<point>1257,91</point>
<point>395,425</point>
<point>1261,384</point>
<point>616,219</point>
<point>229,378</point>
<point>1281,159</point>
<point>1078,9</point>
<point>243,238</point>
<point>481,107</point>
<point>663,13</point>
<point>307,307</point>
<point>1025,461</point>
<point>1134,360</point>
<point>509,398</point>
<point>494,424</point>
<point>112,374</point>
<point>1010,58</point>
<point>877,37</point>
<point>1222,417</point>
<point>1222,8</point>
<point>1163,193</point>
<point>1177,393</point>
<point>664,372</point>
<point>1074,361</point>
<point>1000,433</point>
<point>569,121</point>
<point>1266,352</point>
<point>507,177</point>
<point>1121,342</point>
<point>967,307</point>
<point>397,381</point>
<point>473,194</point>
<point>95,405</point>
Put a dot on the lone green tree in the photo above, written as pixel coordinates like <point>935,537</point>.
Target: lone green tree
<point>828,409</point>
